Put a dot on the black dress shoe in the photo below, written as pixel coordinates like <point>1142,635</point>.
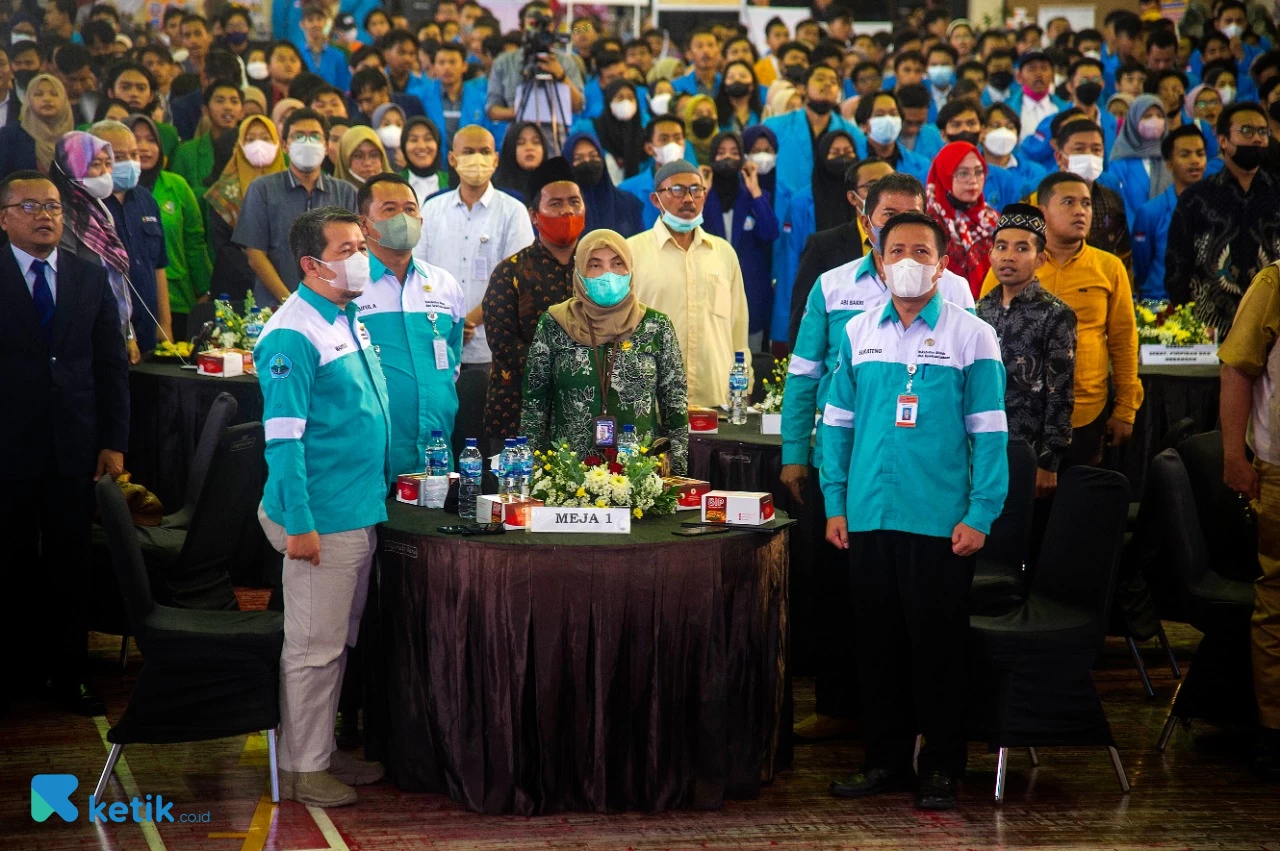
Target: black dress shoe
<point>936,791</point>
<point>347,730</point>
<point>78,699</point>
<point>870,781</point>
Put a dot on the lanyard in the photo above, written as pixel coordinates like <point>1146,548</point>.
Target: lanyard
<point>604,372</point>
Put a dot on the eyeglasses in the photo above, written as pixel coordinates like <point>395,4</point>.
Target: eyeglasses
<point>967,174</point>
<point>33,208</point>
<point>1250,131</point>
<point>1207,104</point>
<point>679,191</point>
<point>306,137</point>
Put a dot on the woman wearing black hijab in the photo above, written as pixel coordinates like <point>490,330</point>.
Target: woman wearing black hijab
<point>621,130</point>
<point>523,149</point>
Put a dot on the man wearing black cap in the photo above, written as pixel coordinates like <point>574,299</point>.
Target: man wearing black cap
<point>524,285</point>
<point>1037,334</point>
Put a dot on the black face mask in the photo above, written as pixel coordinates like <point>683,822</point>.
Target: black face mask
<point>821,107</point>
<point>1088,93</point>
<point>1248,157</point>
<point>737,90</point>
<point>1001,80</point>
<point>838,166</point>
<point>795,74</point>
<point>588,173</point>
<point>967,136</point>
<point>703,127</point>
<point>23,78</point>
<point>726,168</point>
<point>1274,111</point>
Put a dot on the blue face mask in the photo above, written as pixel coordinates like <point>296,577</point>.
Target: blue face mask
<point>679,225</point>
<point>607,289</point>
<point>875,238</point>
<point>942,76</point>
<point>125,174</point>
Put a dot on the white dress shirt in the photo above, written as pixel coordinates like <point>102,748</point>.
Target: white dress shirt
<point>25,261</point>
<point>1033,112</point>
<point>469,243</point>
<point>5,106</point>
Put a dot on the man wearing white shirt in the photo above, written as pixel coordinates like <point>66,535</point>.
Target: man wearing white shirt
<point>9,106</point>
<point>1035,74</point>
<point>470,230</point>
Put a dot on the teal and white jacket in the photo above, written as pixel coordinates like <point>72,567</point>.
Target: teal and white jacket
<point>325,417</point>
<point>951,467</point>
<point>837,296</point>
<point>404,322</point>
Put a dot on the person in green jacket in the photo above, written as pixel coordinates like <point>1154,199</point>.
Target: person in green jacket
<point>193,160</point>
<point>189,268</point>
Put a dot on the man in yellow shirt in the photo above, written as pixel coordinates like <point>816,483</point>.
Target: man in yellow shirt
<point>1251,403</point>
<point>1095,285</point>
<point>694,278</point>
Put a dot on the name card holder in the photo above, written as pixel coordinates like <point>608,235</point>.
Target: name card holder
<point>599,521</point>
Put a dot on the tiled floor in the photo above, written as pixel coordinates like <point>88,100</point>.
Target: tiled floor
<point>1199,794</point>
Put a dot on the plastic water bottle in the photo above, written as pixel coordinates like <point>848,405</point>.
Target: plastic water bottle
<point>471,468</point>
<point>437,454</point>
<point>525,479</point>
<point>253,329</point>
<point>738,390</point>
<point>627,443</point>
<point>510,461</point>
<point>221,306</point>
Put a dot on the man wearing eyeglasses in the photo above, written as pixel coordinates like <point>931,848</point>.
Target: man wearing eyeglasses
<point>61,355</point>
<point>694,278</point>
<point>1227,226</point>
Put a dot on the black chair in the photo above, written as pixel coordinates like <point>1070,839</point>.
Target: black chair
<point>1032,683</point>
<point>473,387</point>
<point>999,579</point>
<point>1227,516</point>
<point>1219,683</point>
<point>205,675</point>
<point>221,414</point>
<point>761,368</point>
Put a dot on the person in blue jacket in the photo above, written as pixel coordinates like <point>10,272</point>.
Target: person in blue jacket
<point>1185,157</point>
<point>880,119</point>
<point>607,206</point>
<point>704,55</point>
<point>664,143</point>
<point>919,134</point>
<point>1084,84</point>
<point>321,57</point>
<point>1001,127</point>
<point>739,210</point>
<point>466,99</point>
<point>1001,86</point>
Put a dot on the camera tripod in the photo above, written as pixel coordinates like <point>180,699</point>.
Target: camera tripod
<point>539,91</point>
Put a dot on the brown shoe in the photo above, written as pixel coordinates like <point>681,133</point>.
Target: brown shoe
<point>315,789</point>
<point>817,727</point>
<point>354,771</point>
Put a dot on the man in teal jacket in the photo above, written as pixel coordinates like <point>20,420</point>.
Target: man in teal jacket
<point>327,430</point>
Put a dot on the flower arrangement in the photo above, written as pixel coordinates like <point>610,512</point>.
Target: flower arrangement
<point>231,333</point>
<point>774,386</point>
<point>1162,324</point>
<point>602,480</point>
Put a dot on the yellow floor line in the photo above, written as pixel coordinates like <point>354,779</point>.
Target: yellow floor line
<point>227,836</point>
<point>260,824</point>
<point>125,776</point>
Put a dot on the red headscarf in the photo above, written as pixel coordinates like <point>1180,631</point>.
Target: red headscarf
<point>969,230</point>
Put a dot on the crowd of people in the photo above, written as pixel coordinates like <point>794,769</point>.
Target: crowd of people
<point>945,227</point>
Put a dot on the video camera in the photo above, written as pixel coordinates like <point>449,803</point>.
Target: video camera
<point>538,40</point>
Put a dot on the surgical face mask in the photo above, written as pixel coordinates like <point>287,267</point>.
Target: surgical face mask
<point>875,237</point>
<point>1001,80</point>
<point>1000,141</point>
<point>1151,128</point>
<point>942,76</point>
<point>607,289</point>
<point>624,110</point>
<point>1087,166</point>
<point>401,232</point>
<point>765,161</point>
<point>1093,54</point>
<point>1248,157</point>
<point>236,39</point>
<point>727,168</point>
<point>1227,93</point>
<point>588,173</point>
<point>795,73</point>
<point>659,104</point>
<point>307,156</point>
<point>668,153</point>
<point>884,129</point>
<point>679,225</point>
<point>475,169</point>
<point>125,174</point>
<point>909,279</point>
<point>99,187</point>
<point>390,135</point>
<point>260,153</point>
<point>257,70</point>
<point>1088,92</point>
<point>703,128</point>
<point>351,274</point>
<point>1233,30</point>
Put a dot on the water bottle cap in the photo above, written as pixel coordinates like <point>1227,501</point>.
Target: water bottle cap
<point>739,357</point>
<point>509,441</point>
<point>471,441</point>
<point>628,427</point>
<point>224,296</point>
<point>522,440</point>
<point>435,432</point>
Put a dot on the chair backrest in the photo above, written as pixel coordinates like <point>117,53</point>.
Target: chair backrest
<point>200,578</point>
<point>1177,433</point>
<point>761,368</point>
<point>221,414</point>
<point>126,554</point>
<point>1230,528</point>
<point>1010,536</point>
<point>473,387</point>
<point>1081,547</point>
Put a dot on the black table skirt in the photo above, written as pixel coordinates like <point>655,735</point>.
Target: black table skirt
<point>530,674</point>
<point>1170,394</point>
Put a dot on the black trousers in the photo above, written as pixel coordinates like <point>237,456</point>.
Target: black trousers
<point>911,622</point>
<point>836,681</point>
<point>46,526</point>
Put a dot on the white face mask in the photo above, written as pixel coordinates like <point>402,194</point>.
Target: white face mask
<point>352,274</point>
<point>307,156</point>
<point>884,129</point>
<point>659,104</point>
<point>390,136</point>
<point>260,153</point>
<point>1227,93</point>
<point>99,187</point>
<point>668,153</point>
<point>764,161</point>
<point>1233,30</point>
<point>1000,142</point>
<point>1086,165</point>
<point>909,279</point>
<point>257,70</point>
<point>624,110</point>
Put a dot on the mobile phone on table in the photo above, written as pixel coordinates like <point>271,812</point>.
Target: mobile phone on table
<point>699,531</point>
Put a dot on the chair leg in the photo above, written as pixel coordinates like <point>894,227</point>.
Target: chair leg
<point>1142,669</point>
<point>1173,660</point>
<point>1002,763</point>
<point>1119,767</point>
<point>124,652</point>
<point>107,771</point>
<point>1035,757</point>
<point>1169,724</point>
<point>273,766</point>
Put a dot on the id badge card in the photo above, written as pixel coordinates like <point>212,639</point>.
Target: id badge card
<point>606,430</point>
<point>908,410</point>
<point>442,352</point>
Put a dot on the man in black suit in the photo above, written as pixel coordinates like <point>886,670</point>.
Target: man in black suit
<point>9,106</point>
<point>65,379</point>
<point>835,246</point>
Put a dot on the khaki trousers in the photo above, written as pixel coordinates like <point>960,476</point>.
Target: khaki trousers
<point>322,608</point>
<point>1266,606</point>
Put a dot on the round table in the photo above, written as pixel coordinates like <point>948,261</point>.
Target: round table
<point>526,674</point>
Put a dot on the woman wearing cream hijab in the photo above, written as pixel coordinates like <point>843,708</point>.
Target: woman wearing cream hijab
<point>360,156</point>
<point>46,117</point>
<point>602,360</point>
